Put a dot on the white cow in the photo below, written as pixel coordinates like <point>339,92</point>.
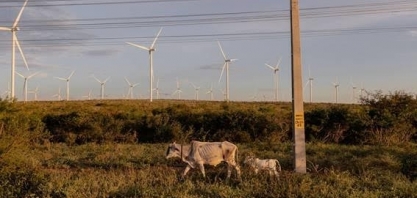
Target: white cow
<point>264,164</point>
<point>200,153</point>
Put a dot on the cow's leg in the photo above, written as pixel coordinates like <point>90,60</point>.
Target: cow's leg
<point>256,171</point>
<point>186,171</point>
<point>202,169</point>
<point>229,171</point>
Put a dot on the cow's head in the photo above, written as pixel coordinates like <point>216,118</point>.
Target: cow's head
<point>173,150</point>
<point>249,159</point>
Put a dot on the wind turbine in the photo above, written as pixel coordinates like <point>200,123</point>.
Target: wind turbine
<point>310,82</point>
<point>15,42</point>
<point>58,95</point>
<point>196,90</point>
<point>35,93</point>
<point>88,96</point>
<point>223,93</point>
<point>156,89</point>
<point>227,61</point>
<point>353,90</point>
<point>25,83</point>
<point>275,70</point>
<point>67,80</point>
<point>336,87</point>
<point>102,83</point>
<point>7,92</point>
<point>362,90</point>
<point>151,49</point>
<point>178,91</point>
<point>131,86</point>
<point>210,91</point>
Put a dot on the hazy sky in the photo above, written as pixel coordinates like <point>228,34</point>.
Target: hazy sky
<point>371,44</point>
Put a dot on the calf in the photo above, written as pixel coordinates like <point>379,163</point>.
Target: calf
<point>263,164</point>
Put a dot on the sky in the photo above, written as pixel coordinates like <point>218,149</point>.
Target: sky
<point>371,45</point>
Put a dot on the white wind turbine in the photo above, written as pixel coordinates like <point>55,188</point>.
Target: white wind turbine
<point>88,96</point>
<point>223,93</point>
<point>178,90</point>
<point>210,91</point>
<point>227,61</point>
<point>15,42</point>
<point>310,82</point>
<point>353,90</point>
<point>35,93</point>
<point>156,89</point>
<point>151,49</point>
<point>7,92</point>
<point>130,90</point>
<point>102,83</point>
<point>58,95</point>
<point>275,70</point>
<point>336,87</point>
<point>67,80</point>
<point>25,83</point>
<point>197,89</point>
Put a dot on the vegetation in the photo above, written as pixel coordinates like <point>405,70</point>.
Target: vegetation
<point>116,148</point>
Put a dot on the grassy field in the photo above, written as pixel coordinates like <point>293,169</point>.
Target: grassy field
<point>117,148</point>
<point>141,170</point>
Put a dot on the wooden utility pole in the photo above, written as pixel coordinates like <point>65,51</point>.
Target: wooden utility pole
<point>297,92</point>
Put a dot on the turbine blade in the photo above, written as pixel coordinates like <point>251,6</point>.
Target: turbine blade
<point>139,46</point>
<point>279,62</point>
<point>21,53</point>
<point>221,74</point>
<point>306,85</point>
<point>32,75</point>
<point>96,79</point>
<point>20,75</point>
<point>128,82</point>
<point>5,28</point>
<point>269,66</point>
<point>106,79</point>
<point>60,78</point>
<point>20,14</point>
<point>221,49</point>
<point>233,60</point>
<point>72,73</point>
<point>154,41</point>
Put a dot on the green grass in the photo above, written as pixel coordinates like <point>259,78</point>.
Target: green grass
<point>141,170</point>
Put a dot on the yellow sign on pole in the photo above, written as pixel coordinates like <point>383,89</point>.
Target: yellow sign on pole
<point>299,120</point>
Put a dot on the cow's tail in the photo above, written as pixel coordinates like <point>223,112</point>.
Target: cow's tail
<point>279,165</point>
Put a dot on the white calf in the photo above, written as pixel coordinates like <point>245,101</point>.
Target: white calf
<point>263,164</point>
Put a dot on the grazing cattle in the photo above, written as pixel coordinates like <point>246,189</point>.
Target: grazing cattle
<point>263,164</point>
<point>200,153</point>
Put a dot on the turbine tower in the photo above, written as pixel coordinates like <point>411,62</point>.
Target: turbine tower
<point>58,95</point>
<point>275,70</point>
<point>353,92</point>
<point>336,87</point>
<point>35,93</point>
<point>210,91</point>
<point>151,49</point>
<point>102,83</point>
<point>156,89</point>
<point>227,62</point>
<point>196,90</point>
<point>178,91</point>
<point>15,42</point>
<point>130,90</point>
<point>25,84</point>
<point>310,82</point>
<point>67,80</point>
